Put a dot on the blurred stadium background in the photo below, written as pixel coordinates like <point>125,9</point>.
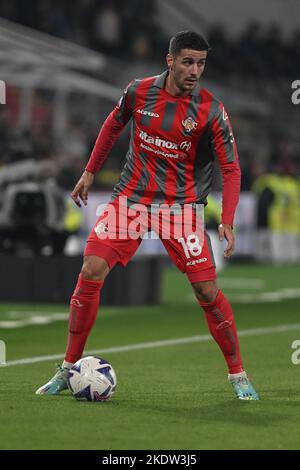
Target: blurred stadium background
<point>64,65</point>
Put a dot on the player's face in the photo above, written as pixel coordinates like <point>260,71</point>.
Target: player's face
<point>186,69</point>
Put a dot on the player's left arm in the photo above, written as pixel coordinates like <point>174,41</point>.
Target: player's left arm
<point>224,148</point>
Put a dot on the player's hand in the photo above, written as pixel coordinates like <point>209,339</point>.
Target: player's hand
<point>81,190</point>
<point>225,231</point>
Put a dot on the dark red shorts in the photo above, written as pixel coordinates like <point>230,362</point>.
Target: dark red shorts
<point>118,233</point>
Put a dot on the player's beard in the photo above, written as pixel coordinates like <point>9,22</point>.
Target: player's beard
<point>181,84</point>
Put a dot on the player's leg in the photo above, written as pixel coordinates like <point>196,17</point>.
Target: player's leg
<point>193,256</point>
<point>220,320</point>
<point>101,255</point>
<point>83,313</point>
<point>221,324</point>
<point>84,306</point>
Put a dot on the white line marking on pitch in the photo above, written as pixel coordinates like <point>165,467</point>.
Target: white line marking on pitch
<point>260,297</point>
<point>241,283</point>
<point>263,297</point>
<point>31,319</point>
<point>158,344</point>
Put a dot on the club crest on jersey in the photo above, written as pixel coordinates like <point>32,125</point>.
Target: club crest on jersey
<point>189,124</point>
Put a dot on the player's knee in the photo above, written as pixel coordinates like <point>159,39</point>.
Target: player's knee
<point>94,268</point>
<point>205,291</point>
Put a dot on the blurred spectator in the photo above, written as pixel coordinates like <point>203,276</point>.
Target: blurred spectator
<point>74,142</point>
<point>221,48</point>
<point>107,29</point>
<point>4,135</point>
<point>69,173</point>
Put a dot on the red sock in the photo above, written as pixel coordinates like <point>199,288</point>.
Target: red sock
<point>221,324</point>
<point>83,313</point>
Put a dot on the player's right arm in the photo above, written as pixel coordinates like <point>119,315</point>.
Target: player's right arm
<point>109,133</point>
<point>81,191</point>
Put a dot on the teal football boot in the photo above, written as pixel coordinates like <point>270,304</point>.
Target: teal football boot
<point>57,384</point>
<point>242,387</point>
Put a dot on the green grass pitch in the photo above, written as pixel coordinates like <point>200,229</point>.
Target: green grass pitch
<point>172,396</point>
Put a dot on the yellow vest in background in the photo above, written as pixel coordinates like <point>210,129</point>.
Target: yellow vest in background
<point>277,213</point>
<point>292,190</point>
<point>212,211</point>
<point>73,217</point>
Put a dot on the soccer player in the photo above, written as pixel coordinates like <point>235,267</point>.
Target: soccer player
<point>178,128</point>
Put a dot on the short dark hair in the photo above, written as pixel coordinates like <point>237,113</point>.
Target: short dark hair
<point>187,40</point>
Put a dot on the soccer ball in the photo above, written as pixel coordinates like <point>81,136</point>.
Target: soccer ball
<point>92,379</point>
